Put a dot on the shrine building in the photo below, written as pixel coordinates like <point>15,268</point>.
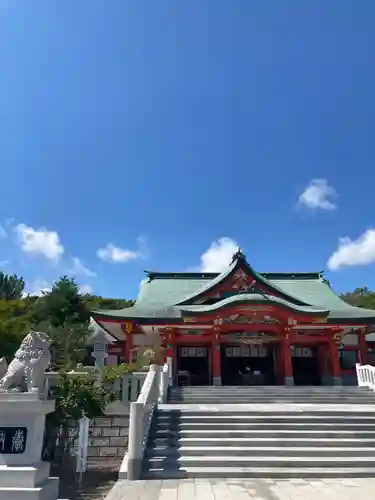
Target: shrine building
<point>287,328</point>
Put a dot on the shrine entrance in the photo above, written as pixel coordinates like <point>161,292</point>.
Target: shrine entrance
<point>248,364</point>
<point>306,369</point>
<point>193,365</point>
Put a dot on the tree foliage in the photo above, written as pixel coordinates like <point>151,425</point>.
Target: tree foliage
<point>64,304</point>
<point>360,297</point>
<point>96,302</point>
<point>78,396</point>
<point>63,313</point>
<point>11,287</point>
<point>16,320</point>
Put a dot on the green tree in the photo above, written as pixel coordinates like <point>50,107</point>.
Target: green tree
<point>68,343</point>
<point>15,321</point>
<point>97,302</point>
<point>11,287</point>
<point>63,314</point>
<point>75,396</point>
<point>360,297</point>
<point>63,304</point>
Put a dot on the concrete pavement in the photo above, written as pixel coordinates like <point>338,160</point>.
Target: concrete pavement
<point>238,489</point>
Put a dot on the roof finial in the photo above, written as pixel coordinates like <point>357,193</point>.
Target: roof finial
<point>239,255</point>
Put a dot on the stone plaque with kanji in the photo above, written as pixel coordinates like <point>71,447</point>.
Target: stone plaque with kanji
<point>13,440</point>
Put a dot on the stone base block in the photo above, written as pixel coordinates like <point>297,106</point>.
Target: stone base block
<point>327,380</point>
<point>134,469</point>
<point>289,380</point>
<point>24,477</point>
<point>47,491</point>
<point>337,380</point>
<point>216,380</point>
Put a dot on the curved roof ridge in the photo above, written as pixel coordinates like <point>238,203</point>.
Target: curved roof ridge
<point>253,297</point>
<point>235,263</point>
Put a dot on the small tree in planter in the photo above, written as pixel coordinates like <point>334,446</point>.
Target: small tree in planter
<point>75,396</point>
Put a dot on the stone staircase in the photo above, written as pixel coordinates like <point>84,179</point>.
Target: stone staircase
<point>274,432</point>
<point>270,394</point>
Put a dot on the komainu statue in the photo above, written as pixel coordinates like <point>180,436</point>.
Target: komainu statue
<point>3,367</point>
<point>29,363</point>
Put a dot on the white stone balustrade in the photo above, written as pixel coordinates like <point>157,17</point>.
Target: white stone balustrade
<point>129,386</point>
<point>365,375</point>
<point>164,384</point>
<point>141,413</point>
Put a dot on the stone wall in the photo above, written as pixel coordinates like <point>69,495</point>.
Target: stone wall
<point>108,438</point>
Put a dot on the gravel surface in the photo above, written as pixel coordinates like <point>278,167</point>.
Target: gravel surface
<point>96,482</point>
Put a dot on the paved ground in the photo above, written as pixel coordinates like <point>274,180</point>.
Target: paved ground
<point>237,489</point>
<point>96,482</point>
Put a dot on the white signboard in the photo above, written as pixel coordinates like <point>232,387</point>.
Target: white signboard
<point>83,442</point>
<point>193,352</point>
<point>246,351</point>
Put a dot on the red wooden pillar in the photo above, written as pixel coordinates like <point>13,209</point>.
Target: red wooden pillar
<point>363,358</point>
<point>215,357</point>
<point>279,363</point>
<point>127,328</point>
<point>287,357</point>
<point>335,363</point>
<point>170,340</point>
<point>323,363</point>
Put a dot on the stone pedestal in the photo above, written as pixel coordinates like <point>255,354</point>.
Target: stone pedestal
<point>23,476</point>
<point>288,380</point>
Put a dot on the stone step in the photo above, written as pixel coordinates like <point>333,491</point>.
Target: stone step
<point>266,395</point>
<point>259,472</point>
<point>271,426</point>
<point>280,397</point>
<point>213,441</point>
<point>261,433</point>
<point>357,395</point>
<point>272,390</point>
<point>267,387</point>
<point>293,401</point>
<point>270,410</point>
<point>209,389</point>
<point>264,451</point>
<point>256,461</point>
<point>239,419</point>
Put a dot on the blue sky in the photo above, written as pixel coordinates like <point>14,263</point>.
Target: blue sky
<point>159,135</point>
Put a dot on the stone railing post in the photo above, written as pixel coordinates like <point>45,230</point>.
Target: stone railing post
<point>170,370</point>
<point>359,375</point>
<point>135,441</point>
<point>365,376</point>
<point>164,383</point>
<point>125,388</point>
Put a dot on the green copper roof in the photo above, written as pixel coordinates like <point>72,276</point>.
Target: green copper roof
<point>251,298</point>
<point>163,295</point>
<point>239,262</point>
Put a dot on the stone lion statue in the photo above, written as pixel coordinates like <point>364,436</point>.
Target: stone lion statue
<point>29,363</point>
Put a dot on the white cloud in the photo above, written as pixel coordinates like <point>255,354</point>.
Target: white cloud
<point>318,194</point>
<point>219,256</point>
<point>40,241</point>
<point>38,287</point>
<point>4,263</point>
<point>112,253</point>
<point>83,289</point>
<point>79,268</point>
<point>3,233</point>
<point>354,252</point>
